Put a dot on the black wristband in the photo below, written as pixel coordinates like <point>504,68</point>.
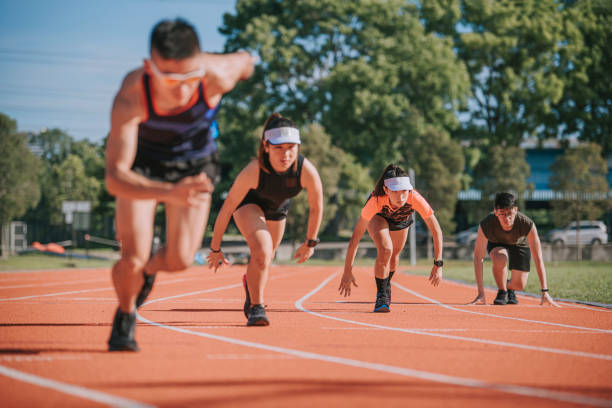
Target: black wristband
<point>215,252</point>
<point>544,290</point>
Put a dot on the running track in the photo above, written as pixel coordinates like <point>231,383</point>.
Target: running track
<point>320,350</point>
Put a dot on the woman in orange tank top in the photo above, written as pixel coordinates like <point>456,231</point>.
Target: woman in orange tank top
<point>386,216</point>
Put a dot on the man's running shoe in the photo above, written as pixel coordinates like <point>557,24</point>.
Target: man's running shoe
<point>122,334</point>
<point>502,298</point>
<point>512,300</point>
<point>382,304</point>
<point>257,316</point>
<point>247,300</point>
<point>146,288</point>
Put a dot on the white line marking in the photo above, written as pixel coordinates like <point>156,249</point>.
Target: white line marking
<point>467,330</point>
<point>84,291</point>
<point>566,302</point>
<point>36,358</point>
<point>73,390</point>
<point>247,357</point>
<point>424,375</point>
<point>39,285</point>
<point>497,316</point>
<point>298,304</point>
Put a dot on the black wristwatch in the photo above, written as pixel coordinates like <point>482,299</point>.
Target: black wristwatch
<point>439,263</point>
<point>312,242</point>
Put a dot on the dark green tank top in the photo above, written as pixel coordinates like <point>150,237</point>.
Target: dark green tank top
<point>494,232</point>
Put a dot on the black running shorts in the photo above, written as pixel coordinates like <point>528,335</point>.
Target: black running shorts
<point>519,257</point>
<point>272,211</point>
<point>174,171</point>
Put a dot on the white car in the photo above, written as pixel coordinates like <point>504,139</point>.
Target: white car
<point>591,232</point>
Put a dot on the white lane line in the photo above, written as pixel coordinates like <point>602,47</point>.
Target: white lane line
<point>73,390</point>
<point>40,285</point>
<point>84,291</point>
<point>259,356</point>
<point>467,330</point>
<point>497,316</point>
<point>452,337</point>
<point>423,375</point>
<point>565,302</point>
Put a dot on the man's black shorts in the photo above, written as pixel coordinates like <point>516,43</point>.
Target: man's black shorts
<point>519,257</point>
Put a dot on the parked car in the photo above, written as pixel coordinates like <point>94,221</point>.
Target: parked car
<point>591,232</point>
<point>467,237</point>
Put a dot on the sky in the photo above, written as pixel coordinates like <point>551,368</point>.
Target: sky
<point>62,61</point>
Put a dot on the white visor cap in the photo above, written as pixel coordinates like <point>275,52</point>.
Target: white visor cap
<point>398,183</point>
<point>282,135</point>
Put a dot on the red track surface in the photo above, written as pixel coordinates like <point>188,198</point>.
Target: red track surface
<point>320,349</point>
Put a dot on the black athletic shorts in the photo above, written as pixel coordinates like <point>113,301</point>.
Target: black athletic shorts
<point>397,225</point>
<point>271,212</point>
<point>519,257</point>
<point>174,171</point>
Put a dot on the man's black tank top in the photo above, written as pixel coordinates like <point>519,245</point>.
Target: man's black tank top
<point>186,135</point>
<point>275,189</point>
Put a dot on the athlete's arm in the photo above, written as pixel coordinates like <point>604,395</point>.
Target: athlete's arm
<point>127,112</point>
<point>223,71</point>
<point>435,277</point>
<point>347,277</point>
<point>246,180</point>
<point>480,249</point>
<point>536,252</point>
<point>311,181</point>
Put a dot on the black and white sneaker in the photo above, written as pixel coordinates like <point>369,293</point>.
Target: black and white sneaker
<point>502,298</point>
<point>512,300</point>
<point>146,288</point>
<point>257,316</point>
<point>122,334</point>
<point>247,300</point>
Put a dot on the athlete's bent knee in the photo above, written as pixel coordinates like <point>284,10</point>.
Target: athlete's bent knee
<point>130,264</point>
<point>261,259</point>
<point>384,254</point>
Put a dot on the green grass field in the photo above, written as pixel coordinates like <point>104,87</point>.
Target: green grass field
<point>586,281</point>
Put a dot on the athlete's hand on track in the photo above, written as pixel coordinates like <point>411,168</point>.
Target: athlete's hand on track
<point>480,300</point>
<point>547,300</point>
<point>345,284</point>
<point>191,191</point>
<point>303,253</point>
<point>435,277</point>
<point>216,260</point>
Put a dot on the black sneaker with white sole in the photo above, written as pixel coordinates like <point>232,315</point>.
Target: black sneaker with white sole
<point>502,298</point>
<point>512,300</point>
<point>122,334</point>
<point>257,316</point>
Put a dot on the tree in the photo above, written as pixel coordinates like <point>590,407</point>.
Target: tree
<point>365,70</point>
<point>585,108</point>
<point>19,189</point>
<point>501,169</point>
<point>512,52</point>
<point>580,179</point>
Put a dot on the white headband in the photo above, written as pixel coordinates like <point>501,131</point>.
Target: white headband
<point>282,135</point>
<point>398,183</point>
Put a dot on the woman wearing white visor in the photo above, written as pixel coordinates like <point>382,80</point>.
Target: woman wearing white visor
<point>259,202</point>
<point>387,216</point>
